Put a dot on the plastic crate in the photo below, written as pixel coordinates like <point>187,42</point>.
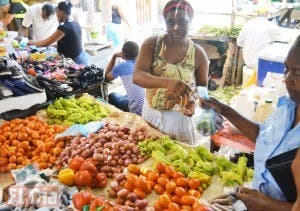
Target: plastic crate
<point>271,59</point>
<point>265,66</point>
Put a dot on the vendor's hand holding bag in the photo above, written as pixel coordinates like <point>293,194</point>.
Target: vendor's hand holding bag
<point>280,168</point>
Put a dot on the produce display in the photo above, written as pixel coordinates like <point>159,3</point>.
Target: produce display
<point>29,140</point>
<point>225,94</point>
<point>108,166</point>
<point>173,190</point>
<point>111,149</point>
<point>75,111</point>
<point>196,162</point>
<point>231,32</point>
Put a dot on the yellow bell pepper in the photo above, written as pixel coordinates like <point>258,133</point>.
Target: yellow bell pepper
<point>66,176</point>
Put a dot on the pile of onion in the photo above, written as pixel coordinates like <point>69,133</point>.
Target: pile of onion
<point>112,148</point>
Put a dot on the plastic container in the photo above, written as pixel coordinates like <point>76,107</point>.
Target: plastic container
<point>271,59</point>
<point>264,110</point>
<point>272,95</point>
<point>244,106</point>
<point>248,78</point>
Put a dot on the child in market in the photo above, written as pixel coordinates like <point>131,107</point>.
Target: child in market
<point>134,98</point>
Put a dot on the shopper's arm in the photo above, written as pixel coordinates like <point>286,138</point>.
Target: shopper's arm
<point>7,19</point>
<point>22,31</point>
<point>108,72</point>
<point>56,36</point>
<point>247,127</point>
<point>121,13</point>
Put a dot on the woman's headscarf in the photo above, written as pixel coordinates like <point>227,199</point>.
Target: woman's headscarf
<point>179,5</point>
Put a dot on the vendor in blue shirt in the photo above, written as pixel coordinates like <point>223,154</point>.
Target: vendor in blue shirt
<point>67,36</point>
<point>278,134</point>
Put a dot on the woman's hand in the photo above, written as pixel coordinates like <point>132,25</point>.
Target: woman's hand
<point>255,200</point>
<point>31,42</point>
<point>189,107</point>
<point>179,88</point>
<point>212,103</point>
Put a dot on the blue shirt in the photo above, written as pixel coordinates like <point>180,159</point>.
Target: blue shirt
<point>135,93</point>
<point>275,137</point>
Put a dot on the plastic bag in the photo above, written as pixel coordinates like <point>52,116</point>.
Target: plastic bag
<point>209,122</point>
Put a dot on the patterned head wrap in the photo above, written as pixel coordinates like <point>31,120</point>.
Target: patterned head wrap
<point>179,5</point>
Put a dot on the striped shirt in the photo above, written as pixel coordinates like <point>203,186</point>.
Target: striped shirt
<point>134,93</point>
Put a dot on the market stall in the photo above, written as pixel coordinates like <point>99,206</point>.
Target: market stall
<point>121,160</point>
<point>31,77</point>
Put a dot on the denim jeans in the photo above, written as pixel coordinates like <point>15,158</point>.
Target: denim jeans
<point>119,101</point>
<point>82,58</point>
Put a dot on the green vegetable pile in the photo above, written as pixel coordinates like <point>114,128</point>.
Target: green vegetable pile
<point>231,32</point>
<point>196,162</point>
<point>75,111</point>
<point>225,94</point>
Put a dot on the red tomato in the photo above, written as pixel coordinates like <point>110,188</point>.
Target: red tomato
<point>162,181</point>
<point>182,182</point>
<point>87,196</point>
<point>153,176</point>
<point>173,206</point>
<point>194,183</point>
<point>89,166</point>
<point>161,167</point>
<point>100,180</point>
<point>164,200</point>
<point>180,191</point>
<point>81,199</point>
<point>170,187</point>
<point>157,206</point>
<point>188,200</point>
<point>75,163</point>
<point>176,199</point>
<point>170,171</point>
<point>83,178</point>
<point>159,189</point>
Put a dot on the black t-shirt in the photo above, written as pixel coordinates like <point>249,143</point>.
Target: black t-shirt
<point>16,8</point>
<point>71,44</point>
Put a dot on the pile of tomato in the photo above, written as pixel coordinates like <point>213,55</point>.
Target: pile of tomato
<point>176,192</point>
<point>29,140</point>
